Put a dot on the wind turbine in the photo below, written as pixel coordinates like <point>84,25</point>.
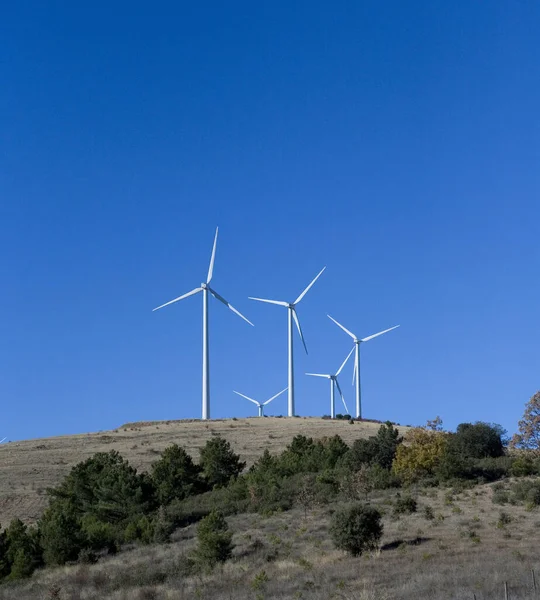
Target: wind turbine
<point>1,441</point>
<point>205,288</point>
<point>291,309</point>
<point>333,383</point>
<point>260,405</point>
<point>356,372</point>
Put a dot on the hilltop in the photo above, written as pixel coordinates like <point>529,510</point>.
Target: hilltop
<point>28,467</point>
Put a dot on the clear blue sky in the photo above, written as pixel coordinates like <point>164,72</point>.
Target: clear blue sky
<point>398,143</point>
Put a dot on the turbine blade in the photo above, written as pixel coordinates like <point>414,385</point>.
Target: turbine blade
<point>345,361</point>
<point>342,396</point>
<point>319,375</point>
<point>295,316</point>
<point>179,298</point>
<point>354,373</point>
<point>228,304</point>
<point>340,325</point>
<point>270,301</point>
<point>3,440</point>
<point>308,287</point>
<point>246,397</point>
<point>273,397</point>
<point>378,334</point>
<point>213,257</point>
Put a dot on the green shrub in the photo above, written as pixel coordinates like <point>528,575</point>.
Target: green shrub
<point>214,540</point>
<point>504,519</point>
<point>527,491</point>
<point>429,514</point>
<point>356,529</point>
<point>219,463</point>
<point>500,494</point>
<point>523,466</point>
<point>87,557</point>
<point>99,535</point>
<point>405,505</point>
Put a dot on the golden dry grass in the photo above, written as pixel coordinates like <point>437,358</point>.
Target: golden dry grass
<point>460,553</point>
<point>28,467</point>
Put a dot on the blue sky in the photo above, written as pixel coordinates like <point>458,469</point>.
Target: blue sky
<point>396,143</point>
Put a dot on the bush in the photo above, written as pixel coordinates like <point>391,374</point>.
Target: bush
<point>356,529</point>
<point>219,463</point>
<point>500,496</point>
<point>214,540</point>
<point>405,505</point>
<point>527,492</point>
<point>504,519</point>
<point>429,514</point>
<point>523,466</point>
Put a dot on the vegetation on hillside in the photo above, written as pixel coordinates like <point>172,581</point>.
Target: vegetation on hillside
<point>104,504</point>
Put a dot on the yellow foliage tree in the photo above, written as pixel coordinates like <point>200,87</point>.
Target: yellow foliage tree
<point>420,454</point>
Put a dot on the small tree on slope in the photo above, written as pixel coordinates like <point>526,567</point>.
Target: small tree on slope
<point>528,437</point>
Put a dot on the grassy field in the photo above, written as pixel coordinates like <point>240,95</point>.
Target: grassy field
<point>466,549</point>
<point>27,468</point>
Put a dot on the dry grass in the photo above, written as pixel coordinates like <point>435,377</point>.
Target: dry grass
<point>461,552</point>
<point>27,468</point>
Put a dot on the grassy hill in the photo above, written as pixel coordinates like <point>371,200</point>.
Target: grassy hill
<point>28,467</point>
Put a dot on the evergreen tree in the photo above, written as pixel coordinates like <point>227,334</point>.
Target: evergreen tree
<point>176,476</point>
<point>219,463</point>
<point>214,540</point>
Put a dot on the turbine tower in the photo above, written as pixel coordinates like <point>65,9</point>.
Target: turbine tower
<point>291,309</point>
<point>356,372</point>
<point>260,405</point>
<point>205,289</point>
<point>333,383</point>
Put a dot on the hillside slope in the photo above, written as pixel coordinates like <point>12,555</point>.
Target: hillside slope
<point>28,467</point>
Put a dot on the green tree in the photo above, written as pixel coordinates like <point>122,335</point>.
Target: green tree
<point>5,567</point>
<point>61,535</point>
<point>214,540</point>
<point>477,440</point>
<point>176,476</point>
<point>376,450</point>
<point>528,437</point>
<point>108,487</point>
<point>23,549</point>
<point>219,463</point>
<point>356,529</point>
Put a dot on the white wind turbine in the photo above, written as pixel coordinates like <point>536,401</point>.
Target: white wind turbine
<point>205,288</point>
<point>356,372</point>
<point>260,405</point>
<point>333,383</point>
<point>291,309</point>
